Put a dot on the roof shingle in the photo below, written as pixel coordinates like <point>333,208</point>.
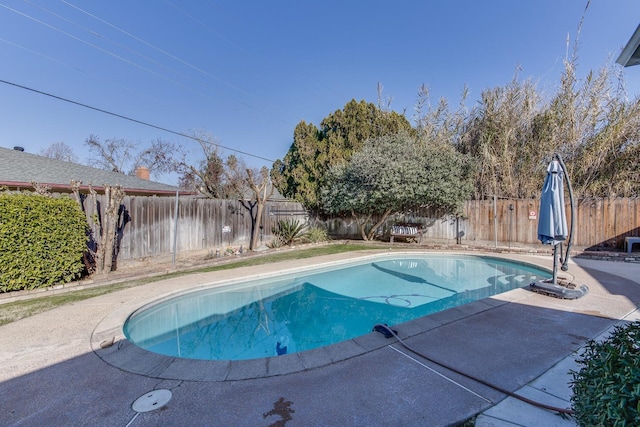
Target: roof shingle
<point>19,169</point>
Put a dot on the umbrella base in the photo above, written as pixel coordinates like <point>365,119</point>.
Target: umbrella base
<point>564,290</point>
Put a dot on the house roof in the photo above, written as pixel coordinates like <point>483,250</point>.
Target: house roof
<point>19,169</point>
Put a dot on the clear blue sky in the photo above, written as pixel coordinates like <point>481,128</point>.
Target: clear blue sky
<point>248,71</point>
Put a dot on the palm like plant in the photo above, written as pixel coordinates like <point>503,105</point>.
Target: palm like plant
<point>289,231</point>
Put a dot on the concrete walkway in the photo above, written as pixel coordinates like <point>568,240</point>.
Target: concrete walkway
<point>553,387</point>
<point>54,371</point>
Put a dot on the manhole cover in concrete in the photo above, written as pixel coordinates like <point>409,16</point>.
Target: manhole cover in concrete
<point>155,399</point>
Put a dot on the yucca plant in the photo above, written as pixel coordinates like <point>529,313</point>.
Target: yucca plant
<point>289,231</point>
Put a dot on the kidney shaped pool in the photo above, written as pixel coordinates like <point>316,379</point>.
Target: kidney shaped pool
<point>303,311</point>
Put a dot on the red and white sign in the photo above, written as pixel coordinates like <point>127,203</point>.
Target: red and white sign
<point>532,215</point>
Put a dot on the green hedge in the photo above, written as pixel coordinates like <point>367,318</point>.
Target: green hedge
<point>42,240</point>
<point>606,389</point>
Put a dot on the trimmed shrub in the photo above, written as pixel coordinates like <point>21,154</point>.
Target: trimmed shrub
<point>316,235</point>
<point>606,390</point>
<point>42,240</point>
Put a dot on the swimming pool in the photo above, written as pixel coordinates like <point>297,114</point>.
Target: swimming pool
<point>303,311</point>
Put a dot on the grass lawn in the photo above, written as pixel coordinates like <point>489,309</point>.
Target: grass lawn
<point>10,312</point>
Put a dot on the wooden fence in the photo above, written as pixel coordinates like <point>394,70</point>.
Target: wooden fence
<point>600,223</point>
<point>148,227</point>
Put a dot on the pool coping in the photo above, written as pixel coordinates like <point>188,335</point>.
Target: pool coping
<point>109,343</point>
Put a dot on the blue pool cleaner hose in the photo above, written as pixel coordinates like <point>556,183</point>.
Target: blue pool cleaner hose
<point>388,332</point>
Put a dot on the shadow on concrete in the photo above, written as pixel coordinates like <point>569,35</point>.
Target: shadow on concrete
<point>505,343</point>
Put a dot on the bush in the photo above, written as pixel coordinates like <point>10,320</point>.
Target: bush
<point>275,243</point>
<point>289,231</point>
<point>42,240</point>
<point>317,235</point>
<point>606,390</point>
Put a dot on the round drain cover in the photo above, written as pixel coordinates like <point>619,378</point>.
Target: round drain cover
<point>155,399</point>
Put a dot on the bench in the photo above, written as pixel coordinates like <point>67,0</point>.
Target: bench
<point>407,231</point>
<point>629,241</point>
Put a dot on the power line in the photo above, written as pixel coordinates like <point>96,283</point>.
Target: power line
<point>80,70</point>
<point>198,92</point>
<point>101,36</point>
<point>184,135</point>
<point>164,52</point>
<point>92,45</point>
<point>130,62</point>
<point>246,52</point>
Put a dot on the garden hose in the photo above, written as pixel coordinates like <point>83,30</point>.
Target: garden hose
<point>388,332</point>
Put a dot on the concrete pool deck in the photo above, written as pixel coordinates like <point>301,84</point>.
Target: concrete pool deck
<point>54,371</point>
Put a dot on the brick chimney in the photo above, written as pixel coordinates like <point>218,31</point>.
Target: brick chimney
<point>142,172</point>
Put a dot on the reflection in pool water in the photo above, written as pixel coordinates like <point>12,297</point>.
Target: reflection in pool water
<point>295,313</point>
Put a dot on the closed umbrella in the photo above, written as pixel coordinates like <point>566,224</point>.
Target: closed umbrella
<point>552,225</point>
<point>553,230</point>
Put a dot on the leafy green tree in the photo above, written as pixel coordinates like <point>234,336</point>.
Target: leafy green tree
<point>302,172</point>
<point>297,175</point>
<point>395,173</point>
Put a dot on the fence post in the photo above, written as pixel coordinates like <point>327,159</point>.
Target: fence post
<point>175,229</point>
<point>495,219</point>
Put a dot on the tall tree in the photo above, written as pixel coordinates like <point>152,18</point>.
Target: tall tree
<point>314,150</point>
<point>395,173</point>
<point>498,135</point>
<point>514,132</point>
<point>597,130</point>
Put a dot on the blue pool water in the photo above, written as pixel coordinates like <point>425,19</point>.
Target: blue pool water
<point>293,313</point>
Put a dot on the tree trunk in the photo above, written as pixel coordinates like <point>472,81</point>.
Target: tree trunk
<point>105,227</point>
<point>382,220</point>
<point>262,190</point>
<point>250,207</point>
<point>255,232</point>
<point>98,232</point>
<point>109,230</point>
<point>363,221</point>
<point>362,225</point>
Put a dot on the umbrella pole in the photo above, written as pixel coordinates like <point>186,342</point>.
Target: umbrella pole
<point>565,260</point>
<point>555,265</point>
